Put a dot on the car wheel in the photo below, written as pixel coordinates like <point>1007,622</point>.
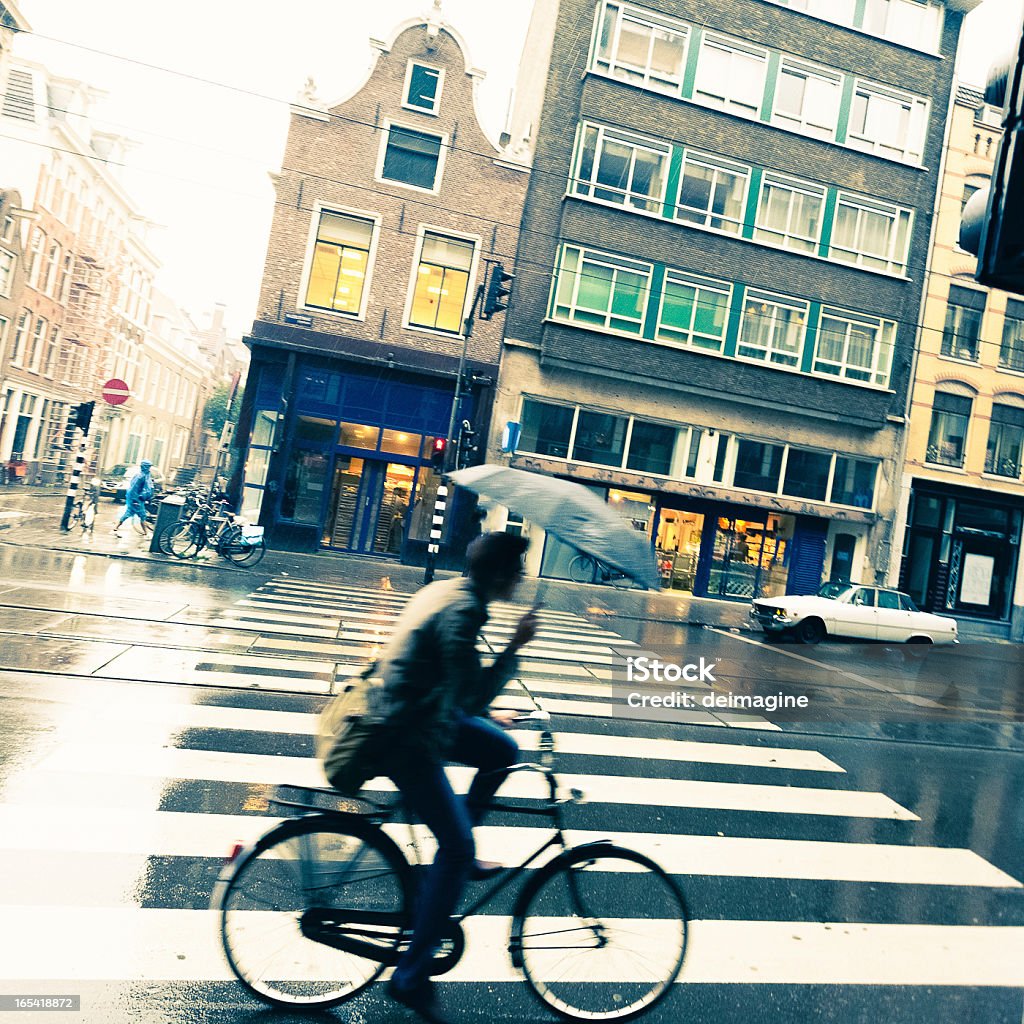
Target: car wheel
<point>811,631</point>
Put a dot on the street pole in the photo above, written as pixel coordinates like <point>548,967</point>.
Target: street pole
<point>441,502</point>
<point>76,473</point>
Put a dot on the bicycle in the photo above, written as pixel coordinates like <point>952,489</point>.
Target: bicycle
<point>83,515</point>
<point>588,569</point>
<point>210,524</point>
<point>319,907</point>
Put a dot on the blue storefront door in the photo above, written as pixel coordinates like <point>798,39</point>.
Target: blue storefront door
<point>369,505</point>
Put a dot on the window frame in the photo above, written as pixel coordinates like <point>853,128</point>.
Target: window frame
<point>800,306</point>
<point>1011,349</point>
<point>716,164</point>
<point>772,179</point>
<point>728,103</point>
<point>22,329</point>
<point>802,123</point>
<point>933,423</point>
<point>702,284</point>
<point>949,346</point>
<point>877,376</point>
<point>1019,427</point>
<point>629,195</point>
<point>651,20</point>
<point>895,264</point>
<point>442,154</point>
<point>909,154</point>
<point>432,229</point>
<point>434,111</point>
<point>7,275</point>
<point>320,208</point>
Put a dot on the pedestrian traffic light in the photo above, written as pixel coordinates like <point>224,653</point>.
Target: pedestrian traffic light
<point>499,287</point>
<point>83,416</point>
<point>437,454</point>
<point>469,446</point>
<point>992,223</point>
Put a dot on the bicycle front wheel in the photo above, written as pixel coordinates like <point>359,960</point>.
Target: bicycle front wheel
<point>237,551</point>
<point>583,569</point>
<point>600,934</point>
<point>315,912</point>
<point>184,540</point>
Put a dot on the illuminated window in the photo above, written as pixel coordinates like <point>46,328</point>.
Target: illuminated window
<point>442,280</point>
<point>340,261</point>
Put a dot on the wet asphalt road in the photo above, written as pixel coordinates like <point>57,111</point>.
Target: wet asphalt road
<point>857,864</point>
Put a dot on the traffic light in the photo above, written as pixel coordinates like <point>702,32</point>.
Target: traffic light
<point>992,224</point>
<point>437,454</point>
<point>499,288</point>
<point>469,446</point>
<point>80,416</point>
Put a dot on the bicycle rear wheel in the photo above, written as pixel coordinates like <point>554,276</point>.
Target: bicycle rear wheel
<point>237,551</point>
<point>315,912</point>
<point>88,516</point>
<point>583,569</point>
<point>184,540</point>
<point>600,934</point>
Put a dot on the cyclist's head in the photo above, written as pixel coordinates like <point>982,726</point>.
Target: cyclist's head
<point>145,466</point>
<point>494,562</point>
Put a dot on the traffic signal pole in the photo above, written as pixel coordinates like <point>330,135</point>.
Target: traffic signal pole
<point>83,420</point>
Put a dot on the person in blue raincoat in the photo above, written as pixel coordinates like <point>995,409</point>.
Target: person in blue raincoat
<point>140,490</point>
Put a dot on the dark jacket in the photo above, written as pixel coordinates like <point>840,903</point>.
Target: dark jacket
<point>431,670</point>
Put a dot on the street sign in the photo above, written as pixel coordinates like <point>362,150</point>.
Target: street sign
<point>115,392</point>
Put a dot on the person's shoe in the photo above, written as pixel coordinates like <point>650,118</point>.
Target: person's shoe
<point>484,869</point>
<point>421,999</point>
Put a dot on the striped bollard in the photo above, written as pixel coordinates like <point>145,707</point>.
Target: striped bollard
<point>76,475</point>
<point>436,529</point>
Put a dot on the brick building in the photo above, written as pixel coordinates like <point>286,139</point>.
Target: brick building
<point>720,273</point>
<point>963,494</point>
<point>389,206</point>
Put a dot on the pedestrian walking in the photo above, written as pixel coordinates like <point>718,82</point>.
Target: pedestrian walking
<point>140,490</point>
<point>426,701</point>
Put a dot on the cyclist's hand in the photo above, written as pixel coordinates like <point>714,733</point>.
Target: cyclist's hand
<point>505,717</point>
<point>526,630</point>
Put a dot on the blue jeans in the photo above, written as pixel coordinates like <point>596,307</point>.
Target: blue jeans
<point>428,794</point>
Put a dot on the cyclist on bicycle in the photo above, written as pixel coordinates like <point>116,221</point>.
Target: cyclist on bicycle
<point>140,490</point>
<point>431,708</point>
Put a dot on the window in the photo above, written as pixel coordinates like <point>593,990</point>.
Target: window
<point>888,122</point>
<point>758,466</point>
<point>20,338</point>
<point>712,192</point>
<point>789,213</point>
<point>442,280</point>
<point>412,158</point>
<point>1011,348</point>
<point>772,328</point>
<point>52,351</point>
<point>651,447</point>
<point>693,310</point>
<point>807,474</point>
<point>64,290</point>
<point>807,99</point>
<point>731,75</point>
<point>600,438</point>
<point>35,258</point>
<point>600,290</point>
<point>641,48</point>
<point>969,191</point>
<point>947,437</point>
<point>546,429</point>
<point>870,234</point>
<point>422,88</point>
<point>961,337</point>
<point>1005,440</point>
<point>7,233</point>
<point>617,167</point>
<point>7,264</point>
<point>840,11</point>
<point>914,23</point>
<point>35,352</point>
<point>855,347</point>
<point>52,269</point>
<point>341,256</point>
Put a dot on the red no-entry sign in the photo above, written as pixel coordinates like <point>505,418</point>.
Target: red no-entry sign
<point>115,392</point>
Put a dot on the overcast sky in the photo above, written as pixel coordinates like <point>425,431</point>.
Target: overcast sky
<point>204,150</point>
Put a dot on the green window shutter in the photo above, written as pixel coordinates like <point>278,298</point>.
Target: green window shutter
<point>732,330</point>
<point>753,195</point>
<point>828,219</point>
<point>654,301</point>
<point>771,78</point>
<point>858,13</point>
<point>675,172</point>
<point>690,75</point>
<point>811,337</point>
<point>845,106</point>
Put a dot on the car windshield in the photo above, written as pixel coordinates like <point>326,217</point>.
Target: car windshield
<point>835,589</point>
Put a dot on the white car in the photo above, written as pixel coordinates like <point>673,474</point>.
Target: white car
<point>856,612</point>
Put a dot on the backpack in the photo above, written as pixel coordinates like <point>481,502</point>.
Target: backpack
<point>346,734</point>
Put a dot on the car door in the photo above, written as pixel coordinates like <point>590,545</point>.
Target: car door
<point>893,622</point>
<point>857,617</point>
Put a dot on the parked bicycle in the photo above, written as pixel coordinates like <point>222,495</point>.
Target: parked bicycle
<point>211,524</point>
<point>322,904</point>
<point>587,569</point>
<point>83,511</point>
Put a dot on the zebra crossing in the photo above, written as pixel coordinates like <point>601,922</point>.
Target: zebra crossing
<point>111,841</point>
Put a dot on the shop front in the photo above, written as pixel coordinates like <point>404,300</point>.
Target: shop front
<point>960,551</point>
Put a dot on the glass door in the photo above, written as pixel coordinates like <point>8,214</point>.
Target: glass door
<point>341,513</point>
<point>369,505</point>
<point>736,558</point>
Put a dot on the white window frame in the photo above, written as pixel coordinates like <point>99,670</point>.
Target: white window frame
<point>4,329</point>
<point>919,38</point>
<point>52,352</point>
<point>615,264</point>
<point>422,231</point>
<point>802,122</point>
<point>772,353</point>
<point>896,262</point>
<point>442,154</point>
<point>701,284</point>
<point>39,338</point>
<point>307,261</point>
<point>648,19</point>
<point>882,350</point>
<point>435,109</point>
<point>630,199</point>
<point>721,100</point>
<point>784,181</point>
<point>912,151</point>
<point>716,164</point>
<point>7,274</point>
<point>823,9</point>
<point>22,329</point>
